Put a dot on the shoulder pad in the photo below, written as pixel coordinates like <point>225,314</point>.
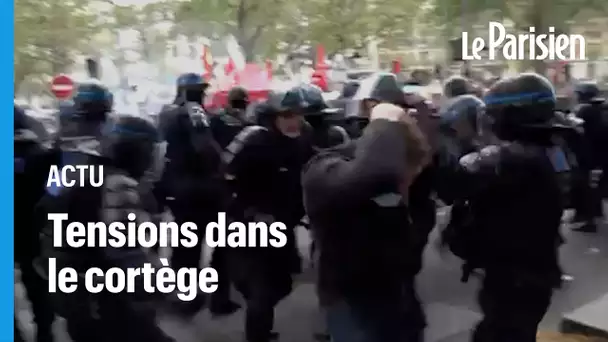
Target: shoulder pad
<point>469,161</point>
<point>241,139</point>
<point>340,130</point>
<point>489,151</point>
<point>472,162</point>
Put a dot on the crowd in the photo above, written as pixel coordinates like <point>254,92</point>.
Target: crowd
<point>505,160</point>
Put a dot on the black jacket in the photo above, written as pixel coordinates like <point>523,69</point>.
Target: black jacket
<point>265,178</point>
<point>356,211</point>
<point>225,126</point>
<point>516,204</point>
<point>32,166</point>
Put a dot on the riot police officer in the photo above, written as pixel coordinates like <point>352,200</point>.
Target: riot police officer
<point>32,165</point>
<point>322,133</point>
<point>515,206</point>
<point>91,106</point>
<point>191,174</point>
<point>587,198</point>
<point>263,166</point>
<point>230,121</point>
<point>126,152</point>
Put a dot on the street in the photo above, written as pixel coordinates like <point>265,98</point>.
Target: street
<point>449,304</point>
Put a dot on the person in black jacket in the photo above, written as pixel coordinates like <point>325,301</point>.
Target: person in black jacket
<point>126,152</point>
<point>514,208</point>
<point>32,164</point>
<point>226,124</point>
<point>263,166</point>
<point>191,177</point>
<point>356,200</point>
<point>319,128</point>
<point>587,199</point>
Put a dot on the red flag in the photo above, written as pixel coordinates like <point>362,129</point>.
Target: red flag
<point>319,78</point>
<point>320,58</point>
<point>396,66</point>
<point>207,63</point>
<point>229,67</point>
<point>269,69</point>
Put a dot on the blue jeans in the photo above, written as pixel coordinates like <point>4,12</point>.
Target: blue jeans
<point>397,318</point>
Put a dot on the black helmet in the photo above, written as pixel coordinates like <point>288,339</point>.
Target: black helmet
<point>456,86</point>
<point>460,112</point>
<point>129,143</point>
<point>263,114</point>
<point>302,99</point>
<point>238,98</point>
<point>381,87</point>
<point>92,101</point>
<point>525,101</point>
<point>587,91</point>
<point>190,88</point>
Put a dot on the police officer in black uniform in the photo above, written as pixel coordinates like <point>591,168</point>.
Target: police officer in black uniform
<point>263,167</point>
<point>231,120</point>
<point>32,165</point>
<point>92,104</point>
<point>191,174</point>
<point>126,152</point>
<point>515,206</point>
<point>319,119</point>
<point>587,198</point>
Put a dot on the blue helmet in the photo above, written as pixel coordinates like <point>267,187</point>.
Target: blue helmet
<point>190,79</point>
<point>516,105</point>
<point>190,88</point>
<point>460,112</point>
<point>92,100</point>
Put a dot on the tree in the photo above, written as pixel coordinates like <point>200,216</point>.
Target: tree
<point>259,26</point>
<point>48,33</point>
<point>540,14</point>
<point>247,20</point>
<point>147,21</point>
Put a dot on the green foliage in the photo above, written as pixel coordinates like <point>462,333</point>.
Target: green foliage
<point>524,13</point>
<point>337,24</point>
<point>47,33</point>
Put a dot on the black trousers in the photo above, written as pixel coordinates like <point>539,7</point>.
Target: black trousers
<point>219,262</point>
<point>184,212</point>
<point>107,318</point>
<point>262,292</point>
<point>512,312</point>
<point>586,199</point>
<point>35,285</point>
